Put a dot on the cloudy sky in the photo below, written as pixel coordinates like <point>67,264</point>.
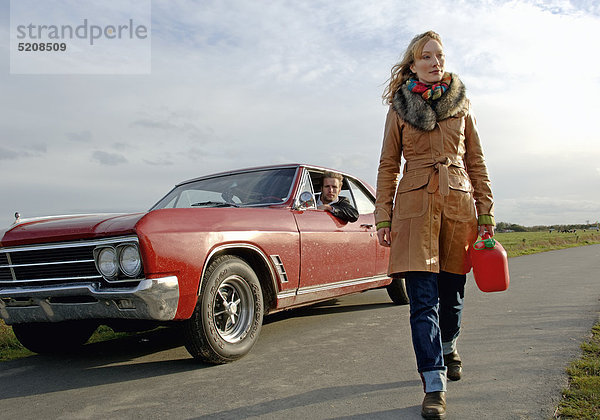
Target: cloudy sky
<point>242,83</point>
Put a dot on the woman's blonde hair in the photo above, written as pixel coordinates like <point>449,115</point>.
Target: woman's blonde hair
<point>401,71</point>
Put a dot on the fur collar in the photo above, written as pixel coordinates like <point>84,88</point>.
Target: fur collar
<point>413,109</point>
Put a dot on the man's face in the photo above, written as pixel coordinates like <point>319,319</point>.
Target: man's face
<point>330,190</point>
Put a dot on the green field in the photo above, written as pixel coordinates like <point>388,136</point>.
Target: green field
<point>523,243</point>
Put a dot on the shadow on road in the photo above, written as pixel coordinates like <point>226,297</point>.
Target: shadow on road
<point>317,396</point>
<point>400,413</point>
<point>114,361</point>
<point>332,306</point>
<point>95,364</point>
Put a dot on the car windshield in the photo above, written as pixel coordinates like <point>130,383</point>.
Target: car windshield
<point>255,188</point>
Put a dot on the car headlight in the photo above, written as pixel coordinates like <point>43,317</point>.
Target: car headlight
<point>107,262</point>
<point>129,260</point>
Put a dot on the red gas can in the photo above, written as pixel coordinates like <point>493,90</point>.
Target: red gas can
<point>490,264</point>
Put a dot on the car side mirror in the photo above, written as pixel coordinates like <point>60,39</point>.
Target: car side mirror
<point>306,201</point>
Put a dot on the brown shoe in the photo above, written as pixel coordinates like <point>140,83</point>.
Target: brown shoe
<point>434,405</point>
<point>454,364</point>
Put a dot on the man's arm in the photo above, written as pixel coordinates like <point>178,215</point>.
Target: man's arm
<point>344,210</point>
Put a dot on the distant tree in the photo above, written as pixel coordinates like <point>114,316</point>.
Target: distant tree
<point>504,226</point>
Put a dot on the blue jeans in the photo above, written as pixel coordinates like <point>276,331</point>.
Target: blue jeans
<point>436,303</point>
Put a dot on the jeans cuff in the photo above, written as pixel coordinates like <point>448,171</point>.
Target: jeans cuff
<point>434,380</point>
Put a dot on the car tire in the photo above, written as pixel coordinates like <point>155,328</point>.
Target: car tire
<point>229,313</point>
<point>397,291</point>
<point>54,337</point>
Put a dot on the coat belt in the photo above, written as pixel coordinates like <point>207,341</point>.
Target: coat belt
<point>441,165</point>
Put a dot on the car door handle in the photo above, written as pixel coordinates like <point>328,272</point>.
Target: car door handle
<point>366,226</point>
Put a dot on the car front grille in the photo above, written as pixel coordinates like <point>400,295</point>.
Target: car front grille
<point>55,264</point>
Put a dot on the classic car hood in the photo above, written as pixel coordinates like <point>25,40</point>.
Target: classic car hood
<point>67,228</point>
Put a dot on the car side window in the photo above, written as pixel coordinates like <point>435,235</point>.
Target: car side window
<point>364,201</point>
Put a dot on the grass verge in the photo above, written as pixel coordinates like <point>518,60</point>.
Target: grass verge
<point>581,400</point>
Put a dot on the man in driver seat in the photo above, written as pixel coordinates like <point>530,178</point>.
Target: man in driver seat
<point>330,200</point>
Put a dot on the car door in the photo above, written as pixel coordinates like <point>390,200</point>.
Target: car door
<point>334,252</point>
<point>365,203</point>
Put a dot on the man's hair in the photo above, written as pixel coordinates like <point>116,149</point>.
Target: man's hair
<point>335,175</point>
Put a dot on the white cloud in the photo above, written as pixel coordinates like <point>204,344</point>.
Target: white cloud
<point>81,136</point>
<point>540,210</point>
<point>6,154</point>
<point>238,83</point>
<point>107,158</point>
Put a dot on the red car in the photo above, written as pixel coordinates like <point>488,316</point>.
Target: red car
<point>213,257</point>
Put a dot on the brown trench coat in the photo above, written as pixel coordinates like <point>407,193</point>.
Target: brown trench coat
<point>445,182</point>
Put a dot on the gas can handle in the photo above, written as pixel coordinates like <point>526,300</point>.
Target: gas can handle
<point>486,242</point>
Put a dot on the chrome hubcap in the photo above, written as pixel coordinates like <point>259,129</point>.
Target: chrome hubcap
<point>233,309</point>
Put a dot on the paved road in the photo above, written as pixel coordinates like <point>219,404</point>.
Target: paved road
<point>348,359</point>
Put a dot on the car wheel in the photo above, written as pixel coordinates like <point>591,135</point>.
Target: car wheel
<point>229,313</point>
<point>397,291</point>
<point>54,337</point>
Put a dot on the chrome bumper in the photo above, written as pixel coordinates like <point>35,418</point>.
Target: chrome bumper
<point>151,299</point>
